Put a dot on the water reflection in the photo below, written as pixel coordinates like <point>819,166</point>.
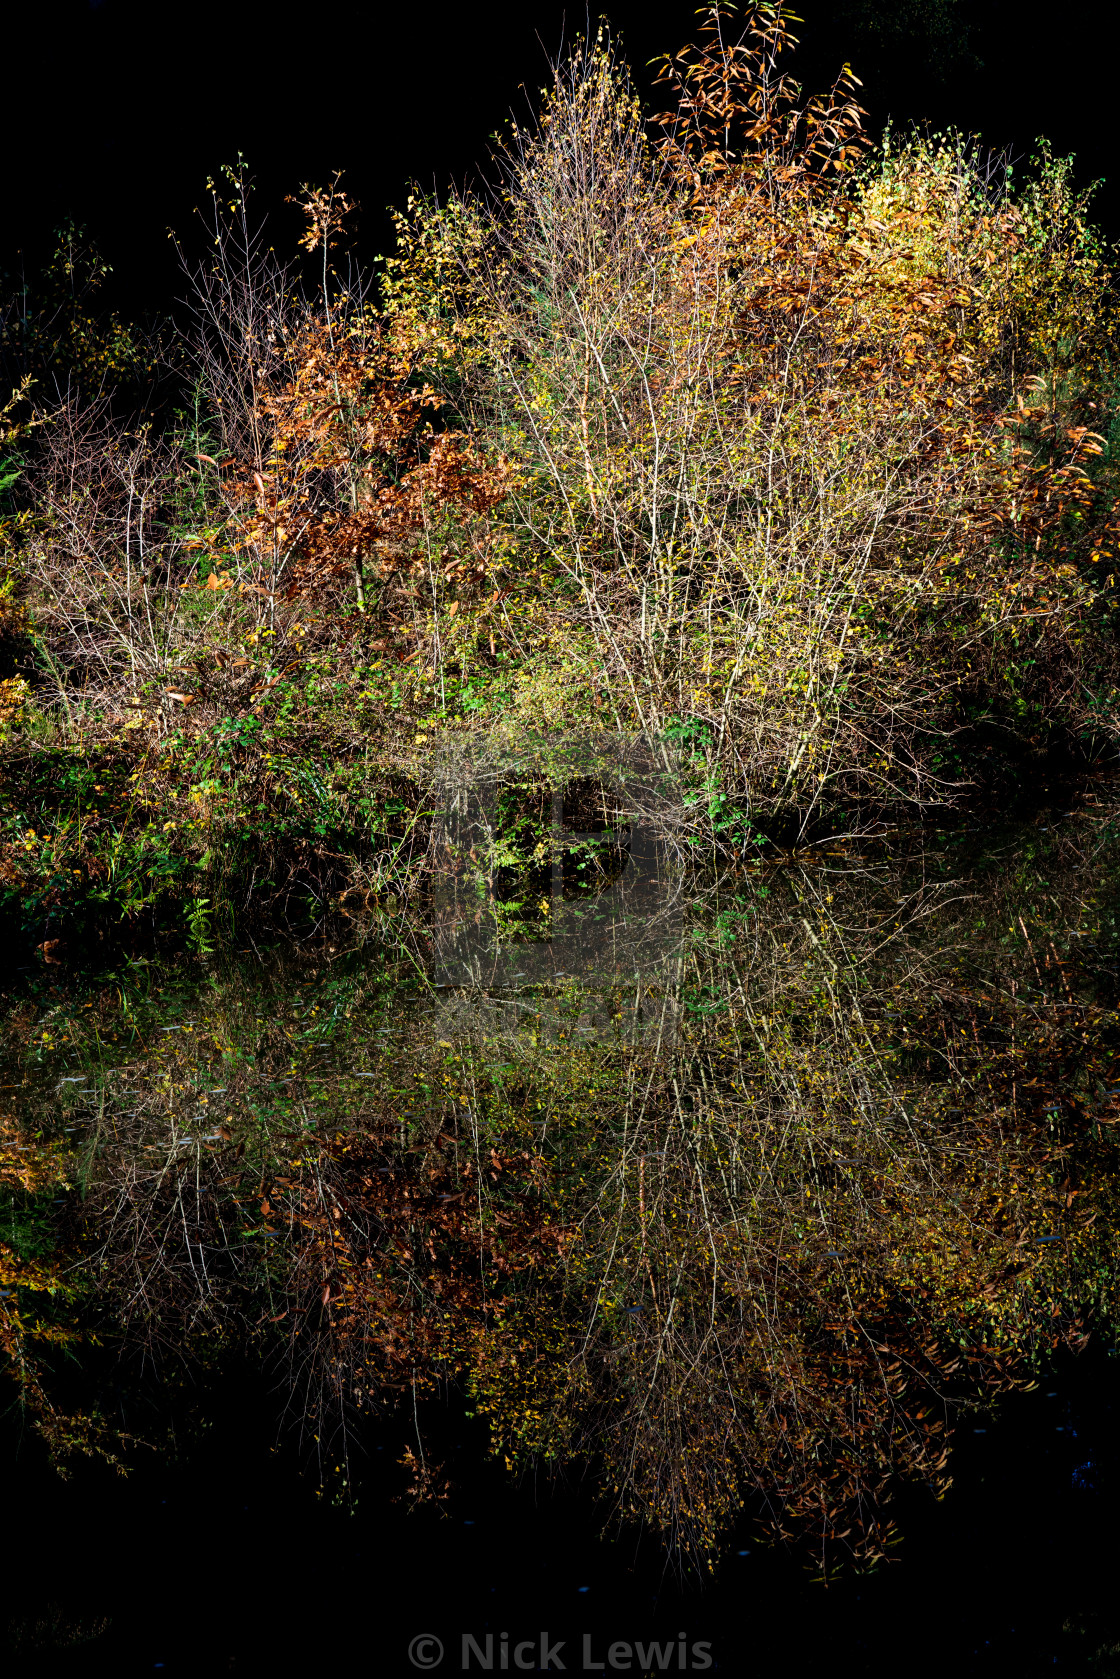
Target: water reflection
<point>734,1189</point>
<point>603,909</point>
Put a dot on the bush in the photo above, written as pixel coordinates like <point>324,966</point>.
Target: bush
<point>731,429</point>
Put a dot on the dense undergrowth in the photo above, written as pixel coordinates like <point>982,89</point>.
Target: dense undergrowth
<point>787,454</point>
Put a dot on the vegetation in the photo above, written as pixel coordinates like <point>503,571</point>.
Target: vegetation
<point>744,1232</point>
<point>733,430</point>
<point>723,483</point>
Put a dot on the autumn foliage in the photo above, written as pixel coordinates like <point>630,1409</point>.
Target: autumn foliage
<point>784,458</point>
<point>801,424</point>
<point>732,422</point>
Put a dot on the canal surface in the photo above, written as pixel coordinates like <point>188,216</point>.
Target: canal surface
<point>614,1264</point>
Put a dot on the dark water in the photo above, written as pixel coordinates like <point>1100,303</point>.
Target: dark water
<point>227,1563</point>
<point>717,1269</point>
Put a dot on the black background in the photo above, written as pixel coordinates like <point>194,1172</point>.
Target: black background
<point>216,1558</point>
<point>116,111</point>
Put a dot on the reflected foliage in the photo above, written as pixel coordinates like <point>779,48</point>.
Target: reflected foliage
<point>741,1232</point>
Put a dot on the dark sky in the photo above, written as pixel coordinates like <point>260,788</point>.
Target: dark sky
<point>116,110</point>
